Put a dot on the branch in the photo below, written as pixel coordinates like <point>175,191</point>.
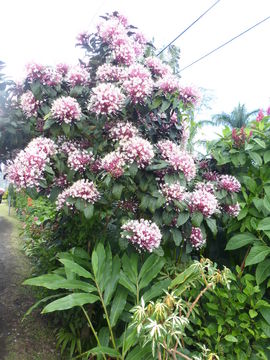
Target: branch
<point>198,298</point>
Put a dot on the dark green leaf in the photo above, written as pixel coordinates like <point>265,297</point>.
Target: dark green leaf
<point>89,211</point>
<point>111,286</point>
<point>150,270</point>
<point>76,268</point>
<point>177,236</point>
<point>257,254</point>
<point>264,224</point>
<point>104,350</point>
<point>156,290</point>
<point>70,301</point>
<point>197,219</point>
<point>124,280</point>
<point>118,305</point>
<point>240,240</point>
<point>263,271</point>
<point>182,219</point>
<point>266,156</point>
<point>117,191</point>
<point>212,225</point>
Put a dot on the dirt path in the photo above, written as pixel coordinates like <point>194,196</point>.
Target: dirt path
<point>32,339</point>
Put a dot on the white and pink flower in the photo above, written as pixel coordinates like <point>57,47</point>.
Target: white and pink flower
<point>232,210</point>
<point>78,159</point>
<point>106,99</point>
<point>66,110</point>
<point>114,164</point>
<point>78,75</point>
<point>81,189</point>
<point>157,66</point>
<point>144,234</point>
<point>137,149</point>
<point>204,202</point>
<point>229,183</point>
<point>196,238</point>
<point>122,131</point>
<point>29,104</point>
<point>173,192</point>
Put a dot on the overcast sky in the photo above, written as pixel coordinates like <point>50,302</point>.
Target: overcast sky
<point>45,31</point>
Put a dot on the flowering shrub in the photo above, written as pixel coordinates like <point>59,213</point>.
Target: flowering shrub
<point>114,158</point>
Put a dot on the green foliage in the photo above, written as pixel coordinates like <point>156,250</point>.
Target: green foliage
<point>235,323</point>
<point>245,154</point>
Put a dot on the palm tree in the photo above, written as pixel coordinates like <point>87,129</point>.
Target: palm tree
<point>238,118</point>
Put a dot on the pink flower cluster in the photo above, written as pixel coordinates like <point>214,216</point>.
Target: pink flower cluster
<point>62,68</point>
<point>144,234</point>
<point>28,167</point>
<point>229,183</point>
<point>173,192</point>
<point>45,74</point>
<point>78,76</point>
<point>168,84</point>
<point>138,84</point>
<point>113,163</point>
<point>61,181</point>
<point>106,99</point>
<point>137,149</point>
<point>66,109</point>
<point>203,201</point>
<point>83,38</point>
<point>2,191</point>
<point>125,46</point>
<point>209,187</point>
<point>178,159</point>
<point>189,96</point>
<point>157,67</point>
<point>81,189</point>
<point>185,134</point>
<point>232,210</point>
<point>29,104</point>
<point>79,159</point>
<point>122,131</point>
<point>108,72</point>
<point>211,175</point>
<point>260,115</point>
<point>196,238</point>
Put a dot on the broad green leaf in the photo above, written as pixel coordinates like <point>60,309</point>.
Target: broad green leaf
<point>197,219</point>
<point>257,254</point>
<point>124,280</point>
<point>150,270</point>
<point>240,240</point>
<point>130,267</point>
<point>156,290</point>
<point>100,251</point>
<point>177,236</point>
<point>261,143</point>
<point>231,338</point>
<point>252,313</point>
<point>265,311</point>
<point>89,211</point>
<point>250,184</point>
<point>100,350</point>
<point>182,219</point>
<point>47,281</point>
<point>266,156</point>
<point>256,158</point>
<point>80,204</point>
<point>264,224</point>
<point>130,339</point>
<point>76,268</point>
<point>242,214</point>
<point>186,277</point>
<point>117,191</point>
<point>263,271</point>
<point>211,223</point>
<point>111,286</point>
<point>266,203</point>
<point>118,304</point>
<point>140,353</point>
<point>70,301</point>
<point>54,282</point>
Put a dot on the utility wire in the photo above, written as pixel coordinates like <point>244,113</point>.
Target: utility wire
<point>96,13</point>
<point>226,43</point>
<point>194,22</point>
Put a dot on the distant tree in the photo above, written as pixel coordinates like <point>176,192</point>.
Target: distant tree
<point>238,118</point>
<point>15,130</point>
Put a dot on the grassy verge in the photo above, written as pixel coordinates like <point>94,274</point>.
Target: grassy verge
<point>33,338</point>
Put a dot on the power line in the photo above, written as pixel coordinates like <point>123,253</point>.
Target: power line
<point>194,22</point>
<point>226,43</point>
<point>96,13</point>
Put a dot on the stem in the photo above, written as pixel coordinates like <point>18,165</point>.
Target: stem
<point>138,292</point>
<point>244,262</point>
<point>106,315</point>
<point>173,352</point>
<point>198,298</point>
<point>92,328</point>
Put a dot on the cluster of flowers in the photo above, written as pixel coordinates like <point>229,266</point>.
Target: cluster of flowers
<point>28,167</point>
<point>77,75</point>
<point>173,192</point>
<point>144,234</point>
<point>229,183</point>
<point>189,95</point>
<point>203,201</point>
<point>108,72</point>
<point>138,84</point>
<point>106,99</point>
<point>114,31</point>
<point>177,158</point>
<point>239,137</point>
<point>232,210</point>
<point>46,75</point>
<point>114,164</point>
<point>29,104</point>
<point>66,109</point>
<point>122,131</point>
<point>196,238</point>
<point>157,67</point>
<point>79,159</point>
<point>81,189</point>
<point>2,191</point>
